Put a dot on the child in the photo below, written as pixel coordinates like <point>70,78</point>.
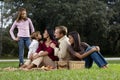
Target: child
<point>25,28</point>
<point>35,36</point>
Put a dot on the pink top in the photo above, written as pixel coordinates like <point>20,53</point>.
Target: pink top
<point>24,28</point>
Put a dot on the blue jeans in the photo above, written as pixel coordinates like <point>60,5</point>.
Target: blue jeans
<point>23,41</point>
<point>96,57</point>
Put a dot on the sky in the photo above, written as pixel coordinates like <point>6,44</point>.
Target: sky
<point>0,14</point>
<point>5,22</point>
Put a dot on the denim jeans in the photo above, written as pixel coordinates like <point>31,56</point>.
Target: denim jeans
<point>96,57</point>
<point>23,41</point>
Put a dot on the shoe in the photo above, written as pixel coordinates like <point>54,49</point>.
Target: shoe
<point>20,64</point>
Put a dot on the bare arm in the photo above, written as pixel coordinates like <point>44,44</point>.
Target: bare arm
<point>44,53</point>
<point>40,54</point>
<point>85,54</point>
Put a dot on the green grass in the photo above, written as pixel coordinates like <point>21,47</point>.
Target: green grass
<point>114,61</point>
<point>95,73</point>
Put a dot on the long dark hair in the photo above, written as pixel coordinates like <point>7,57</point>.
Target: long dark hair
<point>51,33</point>
<point>77,41</point>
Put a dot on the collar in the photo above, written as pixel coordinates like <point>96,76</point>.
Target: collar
<point>63,38</point>
<point>34,40</point>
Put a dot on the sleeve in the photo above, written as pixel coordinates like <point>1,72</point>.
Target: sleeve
<point>62,50</point>
<point>31,26</point>
<point>84,45</point>
<point>70,49</point>
<point>32,48</point>
<point>29,52</point>
<point>49,50</point>
<point>39,48</point>
<point>12,30</point>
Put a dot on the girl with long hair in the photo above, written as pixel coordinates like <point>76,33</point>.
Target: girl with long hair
<point>80,50</point>
<point>25,27</point>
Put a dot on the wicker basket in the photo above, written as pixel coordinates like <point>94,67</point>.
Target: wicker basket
<point>62,64</point>
<point>76,64</point>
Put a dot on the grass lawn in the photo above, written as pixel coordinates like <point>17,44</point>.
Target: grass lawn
<point>95,73</point>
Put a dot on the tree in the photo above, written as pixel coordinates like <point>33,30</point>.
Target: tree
<point>113,32</point>
<point>89,17</point>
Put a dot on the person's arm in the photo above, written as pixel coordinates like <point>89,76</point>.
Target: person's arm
<point>62,50</point>
<point>43,53</point>
<point>31,25</point>
<point>40,47</point>
<point>39,55</point>
<point>31,49</point>
<point>81,56</point>
<point>12,30</point>
<point>85,54</point>
<point>48,51</point>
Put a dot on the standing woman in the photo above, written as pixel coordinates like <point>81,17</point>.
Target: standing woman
<point>24,25</point>
<point>81,50</point>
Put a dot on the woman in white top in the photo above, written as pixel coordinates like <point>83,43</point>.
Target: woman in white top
<point>35,36</point>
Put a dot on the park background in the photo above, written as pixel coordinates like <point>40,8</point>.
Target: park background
<point>97,21</point>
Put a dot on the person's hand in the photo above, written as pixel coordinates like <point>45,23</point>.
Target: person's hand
<point>31,57</point>
<point>40,52</point>
<point>97,48</point>
<point>16,39</point>
<point>36,56</point>
<point>52,45</point>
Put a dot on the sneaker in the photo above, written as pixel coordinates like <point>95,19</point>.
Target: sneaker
<point>20,64</point>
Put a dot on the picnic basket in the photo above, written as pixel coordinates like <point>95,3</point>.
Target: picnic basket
<point>62,64</point>
<point>76,64</point>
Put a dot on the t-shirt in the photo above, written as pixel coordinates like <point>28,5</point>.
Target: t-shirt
<point>72,51</point>
<point>33,47</point>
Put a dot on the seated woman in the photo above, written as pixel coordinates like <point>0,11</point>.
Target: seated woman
<point>80,50</point>
<point>45,55</point>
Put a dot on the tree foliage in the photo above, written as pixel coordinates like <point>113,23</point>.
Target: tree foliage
<point>90,18</point>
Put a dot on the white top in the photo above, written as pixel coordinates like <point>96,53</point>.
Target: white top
<point>33,47</point>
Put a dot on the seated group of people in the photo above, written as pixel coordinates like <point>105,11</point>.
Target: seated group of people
<point>57,46</point>
<point>49,50</point>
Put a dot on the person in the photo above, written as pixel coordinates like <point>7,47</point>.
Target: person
<point>24,26</point>
<point>62,50</point>
<point>45,58</point>
<point>80,50</point>
<point>35,36</point>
